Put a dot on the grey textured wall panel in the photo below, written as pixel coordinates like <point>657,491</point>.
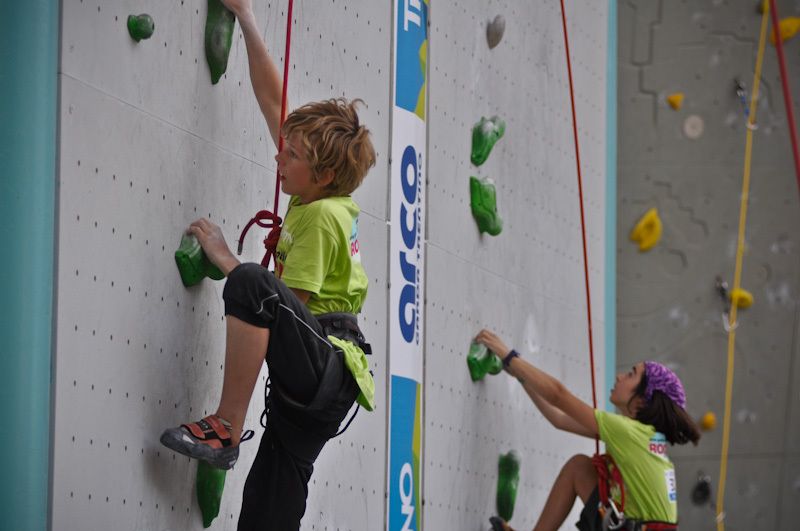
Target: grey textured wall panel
<point>749,495</point>
<point>668,308</point>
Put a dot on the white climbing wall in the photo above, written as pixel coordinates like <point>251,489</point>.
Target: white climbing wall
<point>147,145</point>
<point>527,283</point>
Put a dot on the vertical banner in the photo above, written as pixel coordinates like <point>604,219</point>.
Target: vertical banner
<point>407,258</point>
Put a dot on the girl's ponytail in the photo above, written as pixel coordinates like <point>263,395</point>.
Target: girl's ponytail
<point>668,418</point>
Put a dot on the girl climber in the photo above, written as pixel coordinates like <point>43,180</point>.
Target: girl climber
<point>651,401</point>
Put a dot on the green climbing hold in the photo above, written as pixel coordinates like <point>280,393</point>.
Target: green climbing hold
<point>219,33</point>
<point>140,27</point>
<point>507,482</point>
<point>484,205</point>
<point>210,482</point>
<point>482,361</point>
<point>193,263</point>
<point>484,136</point>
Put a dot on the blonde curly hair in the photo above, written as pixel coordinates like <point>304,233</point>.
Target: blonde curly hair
<point>333,138</point>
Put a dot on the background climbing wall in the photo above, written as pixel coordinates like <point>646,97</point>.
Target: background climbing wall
<point>527,284</point>
<point>148,145</point>
<point>668,309</point>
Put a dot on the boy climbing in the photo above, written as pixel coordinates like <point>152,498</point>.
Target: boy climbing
<point>301,319</point>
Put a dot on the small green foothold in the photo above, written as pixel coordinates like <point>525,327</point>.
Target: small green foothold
<point>507,482</point>
<point>219,34</point>
<point>484,205</point>
<point>210,482</point>
<point>193,263</point>
<point>482,361</point>
<point>485,134</point>
<point>140,27</point>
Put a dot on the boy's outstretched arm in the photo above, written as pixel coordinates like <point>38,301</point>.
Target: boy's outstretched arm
<point>266,80</point>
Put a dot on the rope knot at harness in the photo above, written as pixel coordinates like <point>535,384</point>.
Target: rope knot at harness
<point>268,220</point>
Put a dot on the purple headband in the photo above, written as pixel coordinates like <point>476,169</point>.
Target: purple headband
<point>659,378</point>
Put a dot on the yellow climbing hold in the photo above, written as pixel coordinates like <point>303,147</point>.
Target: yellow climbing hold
<point>709,421</point>
<point>787,28</point>
<point>675,100</point>
<point>648,231</point>
<point>741,298</point>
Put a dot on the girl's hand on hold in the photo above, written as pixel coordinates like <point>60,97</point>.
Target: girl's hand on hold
<point>495,344</point>
<point>213,243</point>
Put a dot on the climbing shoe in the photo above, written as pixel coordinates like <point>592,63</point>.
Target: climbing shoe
<point>207,440</point>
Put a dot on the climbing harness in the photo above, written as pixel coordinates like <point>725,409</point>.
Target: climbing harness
<point>608,472</point>
<point>609,479</point>
<point>737,277</point>
<point>266,218</point>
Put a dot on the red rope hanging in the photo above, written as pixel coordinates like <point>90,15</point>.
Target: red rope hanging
<point>787,97</point>
<point>583,221</point>
<point>266,218</point>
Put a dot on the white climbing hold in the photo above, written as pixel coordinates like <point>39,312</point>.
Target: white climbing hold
<point>693,127</point>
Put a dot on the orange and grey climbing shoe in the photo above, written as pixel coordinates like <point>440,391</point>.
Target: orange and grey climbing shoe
<point>208,440</point>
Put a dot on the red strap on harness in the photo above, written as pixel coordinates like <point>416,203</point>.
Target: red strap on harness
<point>660,526</point>
<point>602,463</point>
<point>273,221</point>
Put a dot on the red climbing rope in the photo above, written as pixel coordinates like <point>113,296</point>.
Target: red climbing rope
<point>266,218</point>
<point>283,95</point>
<point>583,221</point>
<point>786,92</point>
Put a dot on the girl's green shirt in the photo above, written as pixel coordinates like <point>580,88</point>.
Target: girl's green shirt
<point>640,452</point>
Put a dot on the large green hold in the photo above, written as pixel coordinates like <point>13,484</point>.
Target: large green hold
<point>483,200</point>
<point>210,482</point>
<point>507,483</point>
<point>193,263</point>
<point>485,134</point>
<point>482,361</point>
<point>219,34</point>
<point>140,27</point>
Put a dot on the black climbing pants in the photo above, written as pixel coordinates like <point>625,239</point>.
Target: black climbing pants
<point>311,393</point>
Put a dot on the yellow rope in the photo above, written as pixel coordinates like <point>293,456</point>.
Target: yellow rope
<point>738,274</point>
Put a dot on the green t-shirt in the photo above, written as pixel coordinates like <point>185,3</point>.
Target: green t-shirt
<point>641,455</point>
<point>318,252</point>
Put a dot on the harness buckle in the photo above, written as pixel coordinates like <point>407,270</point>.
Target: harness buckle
<point>613,519</point>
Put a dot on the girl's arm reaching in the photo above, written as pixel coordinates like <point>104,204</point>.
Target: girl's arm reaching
<point>266,80</point>
<point>555,416</point>
<point>560,407</point>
